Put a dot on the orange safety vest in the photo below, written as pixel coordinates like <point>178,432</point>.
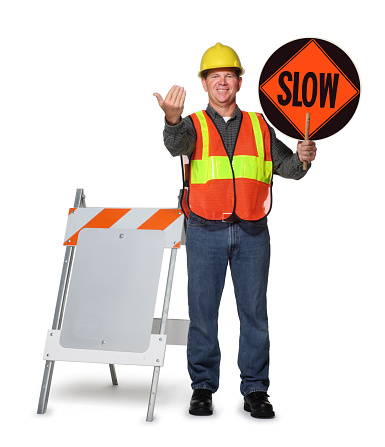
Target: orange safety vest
<point>218,187</point>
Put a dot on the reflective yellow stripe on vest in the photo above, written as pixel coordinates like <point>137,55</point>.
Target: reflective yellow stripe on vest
<point>218,167</point>
<point>205,135</point>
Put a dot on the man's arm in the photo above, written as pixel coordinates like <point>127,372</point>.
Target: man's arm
<point>180,139</point>
<point>288,164</point>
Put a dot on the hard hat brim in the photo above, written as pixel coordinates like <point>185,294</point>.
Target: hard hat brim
<point>242,72</point>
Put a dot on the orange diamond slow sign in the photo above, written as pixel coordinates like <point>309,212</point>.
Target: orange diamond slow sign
<point>309,75</point>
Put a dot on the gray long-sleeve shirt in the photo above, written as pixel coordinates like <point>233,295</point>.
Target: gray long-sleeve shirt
<point>181,138</point>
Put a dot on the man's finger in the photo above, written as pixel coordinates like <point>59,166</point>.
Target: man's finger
<point>159,98</point>
<point>171,93</point>
<point>181,95</point>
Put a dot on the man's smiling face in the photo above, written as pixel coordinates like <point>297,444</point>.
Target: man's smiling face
<point>222,85</point>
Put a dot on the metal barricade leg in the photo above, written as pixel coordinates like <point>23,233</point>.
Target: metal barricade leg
<point>163,324</point>
<point>45,387</point>
<point>48,370</point>
<point>57,320</point>
<point>113,374</point>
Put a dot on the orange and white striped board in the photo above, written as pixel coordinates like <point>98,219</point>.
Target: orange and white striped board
<point>168,220</point>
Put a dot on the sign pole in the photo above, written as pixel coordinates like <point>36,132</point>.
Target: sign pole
<point>307,126</point>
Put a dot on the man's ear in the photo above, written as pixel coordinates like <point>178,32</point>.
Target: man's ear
<point>239,84</point>
<point>204,84</point>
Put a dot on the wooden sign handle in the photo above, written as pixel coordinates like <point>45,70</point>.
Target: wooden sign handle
<point>307,125</point>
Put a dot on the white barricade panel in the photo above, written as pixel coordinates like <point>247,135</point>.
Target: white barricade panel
<point>112,293</point>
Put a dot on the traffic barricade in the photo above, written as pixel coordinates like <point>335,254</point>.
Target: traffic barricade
<point>108,291</point>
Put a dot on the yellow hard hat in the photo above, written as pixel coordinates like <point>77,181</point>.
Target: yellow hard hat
<point>220,56</point>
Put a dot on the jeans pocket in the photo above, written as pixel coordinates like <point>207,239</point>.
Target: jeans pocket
<point>196,221</point>
<point>261,223</point>
<point>255,227</point>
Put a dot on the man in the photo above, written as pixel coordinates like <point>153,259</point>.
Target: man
<point>233,155</point>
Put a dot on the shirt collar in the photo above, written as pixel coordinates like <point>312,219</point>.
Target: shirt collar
<point>214,114</point>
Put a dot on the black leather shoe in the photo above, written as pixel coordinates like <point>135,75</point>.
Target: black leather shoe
<point>201,403</point>
<point>258,405</point>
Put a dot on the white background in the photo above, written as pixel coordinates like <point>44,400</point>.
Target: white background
<point>77,111</point>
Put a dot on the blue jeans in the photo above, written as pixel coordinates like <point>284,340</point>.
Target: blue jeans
<point>210,246</point>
